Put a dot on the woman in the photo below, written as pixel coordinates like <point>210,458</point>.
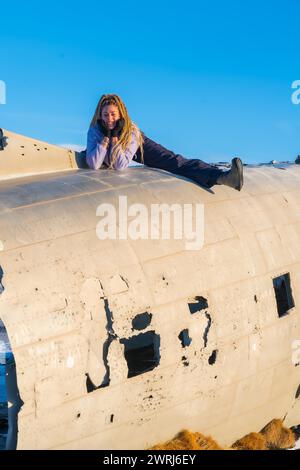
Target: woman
<point>114,141</point>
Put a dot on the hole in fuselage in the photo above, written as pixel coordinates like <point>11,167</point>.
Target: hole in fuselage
<point>283,294</point>
<point>141,353</point>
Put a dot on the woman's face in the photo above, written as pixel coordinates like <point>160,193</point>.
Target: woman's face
<point>110,114</point>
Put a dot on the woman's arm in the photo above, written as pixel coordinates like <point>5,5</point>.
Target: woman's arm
<point>124,157</point>
<point>96,148</point>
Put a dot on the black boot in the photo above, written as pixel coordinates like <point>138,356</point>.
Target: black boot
<point>234,176</point>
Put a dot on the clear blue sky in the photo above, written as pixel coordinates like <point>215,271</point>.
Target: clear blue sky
<point>206,79</point>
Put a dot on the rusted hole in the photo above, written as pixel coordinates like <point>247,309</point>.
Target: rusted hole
<point>185,361</point>
<point>213,357</point>
<point>141,353</point>
<point>200,303</point>
<point>283,293</point>
<point>90,387</point>
<point>205,335</point>
<point>185,338</point>
<point>141,321</point>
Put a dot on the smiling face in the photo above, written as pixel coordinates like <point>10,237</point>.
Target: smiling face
<point>110,114</point>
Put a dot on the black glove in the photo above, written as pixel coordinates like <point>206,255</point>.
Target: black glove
<point>117,130</point>
<point>106,132</point>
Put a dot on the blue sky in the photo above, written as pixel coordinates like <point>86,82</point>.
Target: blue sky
<point>206,79</point>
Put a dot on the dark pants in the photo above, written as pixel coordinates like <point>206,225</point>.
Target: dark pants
<point>157,156</point>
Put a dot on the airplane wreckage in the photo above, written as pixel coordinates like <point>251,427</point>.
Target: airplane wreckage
<point>121,343</point>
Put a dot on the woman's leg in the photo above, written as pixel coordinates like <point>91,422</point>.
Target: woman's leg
<point>157,156</point>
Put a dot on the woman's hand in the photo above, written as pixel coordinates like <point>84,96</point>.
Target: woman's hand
<point>105,131</point>
<point>114,140</point>
<point>117,130</point>
<point>105,142</point>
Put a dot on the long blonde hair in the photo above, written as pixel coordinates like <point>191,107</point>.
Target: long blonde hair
<point>129,126</point>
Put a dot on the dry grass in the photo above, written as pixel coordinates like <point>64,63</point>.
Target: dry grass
<point>277,436</point>
<point>187,440</point>
<point>206,442</point>
<point>273,436</point>
<point>252,441</point>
